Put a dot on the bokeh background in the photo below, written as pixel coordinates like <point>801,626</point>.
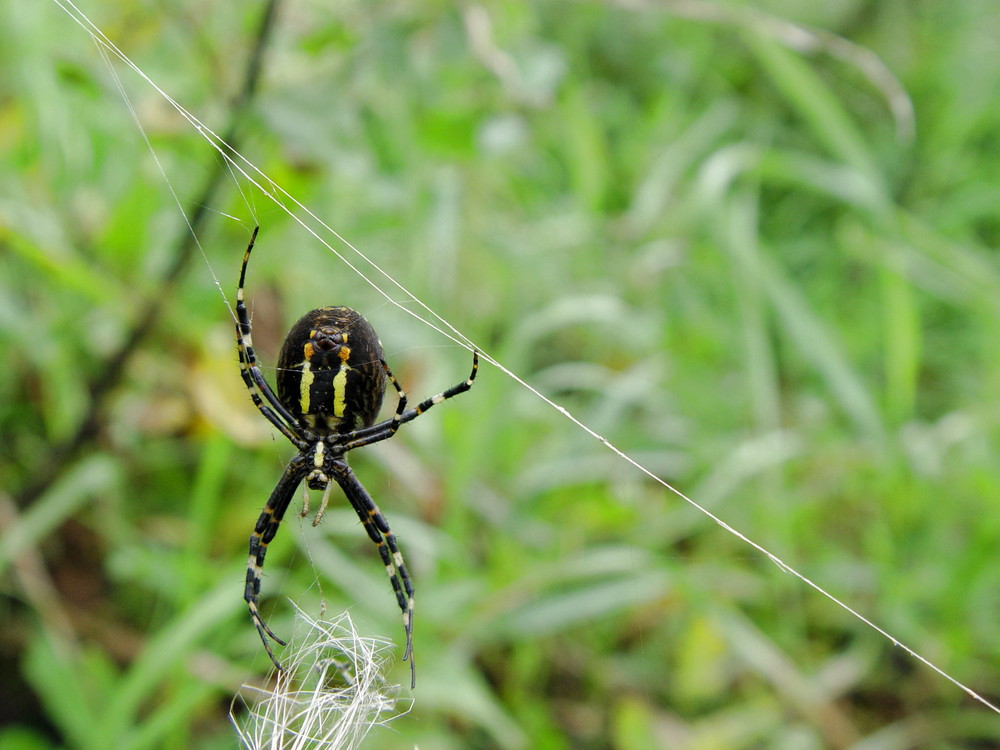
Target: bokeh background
<point>755,246</point>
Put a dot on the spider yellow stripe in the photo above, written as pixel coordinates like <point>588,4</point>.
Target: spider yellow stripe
<point>339,390</point>
<point>308,376</point>
<point>340,379</point>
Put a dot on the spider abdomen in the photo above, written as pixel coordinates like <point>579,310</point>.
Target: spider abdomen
<point>330,375</point>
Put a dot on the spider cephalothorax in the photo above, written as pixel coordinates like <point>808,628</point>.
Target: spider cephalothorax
<point>331,381</point>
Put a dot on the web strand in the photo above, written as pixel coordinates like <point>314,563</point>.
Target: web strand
<point>281,198</point>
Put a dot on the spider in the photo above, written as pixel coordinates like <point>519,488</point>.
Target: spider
<point>331,378</point>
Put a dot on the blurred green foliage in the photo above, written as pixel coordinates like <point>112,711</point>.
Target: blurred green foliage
<point>720,238</point>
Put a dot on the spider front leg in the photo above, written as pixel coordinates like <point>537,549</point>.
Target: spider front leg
<point>384,430</point>
<point>274,410</point>
<point>263,533</point>
<point>380,533</point>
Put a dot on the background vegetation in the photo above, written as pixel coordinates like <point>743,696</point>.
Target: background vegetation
<point>721,240</point>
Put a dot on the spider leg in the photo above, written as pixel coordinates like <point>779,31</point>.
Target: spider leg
<point>256,384</point>
<point>380,533</point>
<point>377,432</point>
<point>274,411</point>
<point>444,395</point>
<point>263,533</point>
<point>386,429</point>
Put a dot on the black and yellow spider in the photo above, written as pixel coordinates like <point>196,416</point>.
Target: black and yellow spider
<point>331,378</point>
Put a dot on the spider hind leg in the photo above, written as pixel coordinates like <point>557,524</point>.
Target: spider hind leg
<point>263,533</point>
<point>379,532</point>
<point>255,565</point>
